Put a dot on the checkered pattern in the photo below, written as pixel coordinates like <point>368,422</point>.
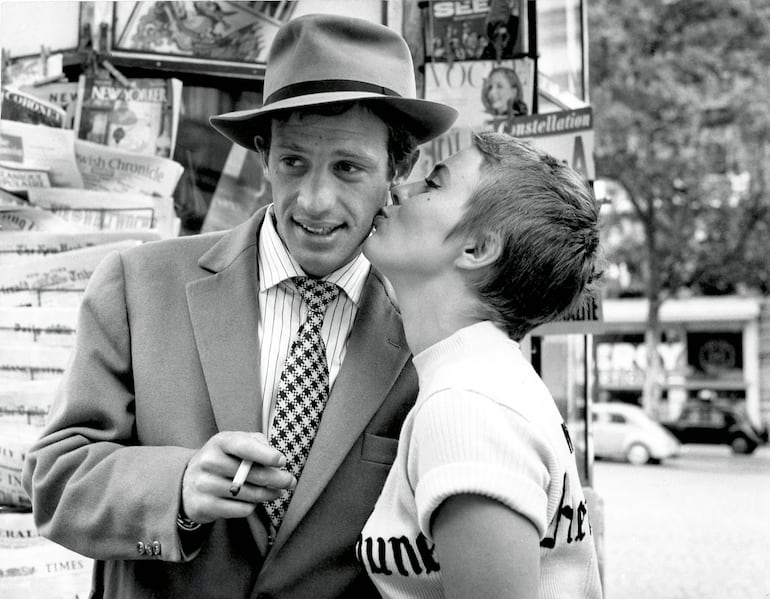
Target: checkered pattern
<point>303,388</point>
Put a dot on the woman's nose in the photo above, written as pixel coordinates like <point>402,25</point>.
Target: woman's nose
<point>401,193</point>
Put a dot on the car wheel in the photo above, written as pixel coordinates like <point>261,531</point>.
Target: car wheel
<point>741,445</point>
<point>637,454</point>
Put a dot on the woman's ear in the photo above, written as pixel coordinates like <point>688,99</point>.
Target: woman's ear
<point>480,252</point>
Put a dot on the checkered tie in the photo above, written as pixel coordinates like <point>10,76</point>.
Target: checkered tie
<point>302,390</point>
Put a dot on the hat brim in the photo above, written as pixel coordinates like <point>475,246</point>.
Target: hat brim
<point>425,119</point>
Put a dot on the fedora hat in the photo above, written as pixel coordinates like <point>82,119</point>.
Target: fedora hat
<point>320,59</point>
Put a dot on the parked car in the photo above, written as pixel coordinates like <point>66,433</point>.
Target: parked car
<point>623,431</point>
<point>717,423</point>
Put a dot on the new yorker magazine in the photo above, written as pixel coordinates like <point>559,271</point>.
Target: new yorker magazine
<point>141,117</point>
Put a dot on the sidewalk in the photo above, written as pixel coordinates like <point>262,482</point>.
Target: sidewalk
<point>694,528</point>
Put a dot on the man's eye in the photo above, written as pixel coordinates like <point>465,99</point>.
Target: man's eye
<point>347,167</point>
<point>291,161</point>
<point>431,184</point>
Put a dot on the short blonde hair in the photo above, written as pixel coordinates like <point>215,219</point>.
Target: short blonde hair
<point>547,220</point>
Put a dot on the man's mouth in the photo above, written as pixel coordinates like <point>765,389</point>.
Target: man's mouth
<point>318,229</point>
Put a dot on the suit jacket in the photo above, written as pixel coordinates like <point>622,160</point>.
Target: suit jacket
<point>168,355</point>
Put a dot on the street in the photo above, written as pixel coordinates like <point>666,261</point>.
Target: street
<point>695,527</point>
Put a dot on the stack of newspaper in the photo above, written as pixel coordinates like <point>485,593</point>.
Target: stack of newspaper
<point>75,184</point>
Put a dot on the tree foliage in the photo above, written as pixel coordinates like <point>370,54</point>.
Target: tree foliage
<point>679,90</point>
<point>668,80</point>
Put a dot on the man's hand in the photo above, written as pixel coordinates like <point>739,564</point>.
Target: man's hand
<point>206,482</point>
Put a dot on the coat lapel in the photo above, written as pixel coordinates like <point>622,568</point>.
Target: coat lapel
<point>375,356</point>
<point>225,313</point>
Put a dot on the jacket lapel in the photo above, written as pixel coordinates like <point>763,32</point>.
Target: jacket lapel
<point>225,313</point>
<point>375,356</point>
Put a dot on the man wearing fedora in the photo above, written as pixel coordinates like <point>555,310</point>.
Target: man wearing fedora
<point>233,402</point>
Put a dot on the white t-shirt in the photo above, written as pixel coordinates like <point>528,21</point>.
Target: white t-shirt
<point>483,423</point>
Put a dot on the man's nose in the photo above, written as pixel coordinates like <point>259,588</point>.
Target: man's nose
<point>317,192</point>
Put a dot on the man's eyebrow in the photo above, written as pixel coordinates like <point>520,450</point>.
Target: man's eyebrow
<point>360,155</point>
<point>288,145</point>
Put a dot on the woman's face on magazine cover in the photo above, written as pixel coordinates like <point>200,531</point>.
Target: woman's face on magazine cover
<point>501,92</point>
<point>412,236</point>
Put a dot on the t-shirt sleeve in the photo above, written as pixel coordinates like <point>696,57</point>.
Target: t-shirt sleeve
<point>466,443</point>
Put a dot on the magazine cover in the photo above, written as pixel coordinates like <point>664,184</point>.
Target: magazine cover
<point>18,177</point>
<point>63,94</point>
<point>230,31</point>
<point>142,118</point>
<point>478,30</point>
<point>27,108</point>
<point>484,92</point>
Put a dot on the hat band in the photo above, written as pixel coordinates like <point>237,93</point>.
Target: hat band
<point>321,86</point>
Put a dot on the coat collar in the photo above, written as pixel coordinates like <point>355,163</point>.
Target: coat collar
<point>225,315</point>
<point>233,244</point>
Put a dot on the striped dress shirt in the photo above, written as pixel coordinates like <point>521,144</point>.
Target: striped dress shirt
<point>282,311</point>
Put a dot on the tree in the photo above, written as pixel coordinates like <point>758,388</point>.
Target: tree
<point>669,79</point>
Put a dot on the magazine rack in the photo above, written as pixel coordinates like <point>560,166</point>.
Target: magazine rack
<point>219,40</point>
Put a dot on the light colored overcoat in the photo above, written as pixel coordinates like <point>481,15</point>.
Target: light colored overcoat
<point>168,355</point>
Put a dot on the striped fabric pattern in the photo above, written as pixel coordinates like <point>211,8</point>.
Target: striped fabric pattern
<point>282,311</point>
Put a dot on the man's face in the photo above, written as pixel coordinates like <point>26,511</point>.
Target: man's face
<point>329,176</point>
<point>411,238</point>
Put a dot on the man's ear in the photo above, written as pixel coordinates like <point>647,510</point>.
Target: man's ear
<point>262,150</point>
<point>404,168</point>
<point>480,252</point>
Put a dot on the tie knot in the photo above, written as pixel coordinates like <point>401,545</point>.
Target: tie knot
<point>315,293</point>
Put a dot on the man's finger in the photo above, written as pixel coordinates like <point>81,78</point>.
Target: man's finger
<point>252,447</point>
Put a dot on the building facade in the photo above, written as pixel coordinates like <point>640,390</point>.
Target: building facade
<point>711,347</point>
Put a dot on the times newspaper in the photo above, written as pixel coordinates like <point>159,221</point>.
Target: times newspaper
<point>93,210</point>
<point>60,277</point>
<point>65,204</point>
<point>28,219</point>
<point>23,246</point>
<point>31,566</point>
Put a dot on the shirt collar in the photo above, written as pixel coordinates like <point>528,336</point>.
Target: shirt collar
<point>276,264</point>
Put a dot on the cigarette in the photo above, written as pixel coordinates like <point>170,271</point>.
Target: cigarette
<point>240,477</point>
